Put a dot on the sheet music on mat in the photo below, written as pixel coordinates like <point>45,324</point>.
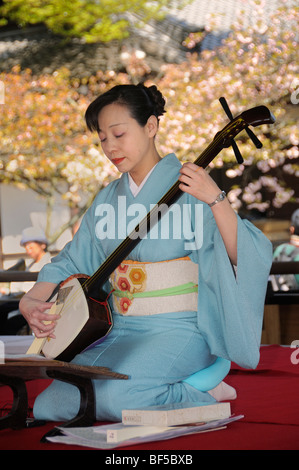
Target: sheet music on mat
<point>96,436</point>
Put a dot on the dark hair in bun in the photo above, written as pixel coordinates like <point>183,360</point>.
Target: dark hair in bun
<point>142,102</point>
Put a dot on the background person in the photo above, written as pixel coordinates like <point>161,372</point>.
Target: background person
<point>288,252</point>
<point>35,243</point>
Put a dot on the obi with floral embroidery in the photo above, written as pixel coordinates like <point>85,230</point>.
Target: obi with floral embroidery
<point>145,288</point>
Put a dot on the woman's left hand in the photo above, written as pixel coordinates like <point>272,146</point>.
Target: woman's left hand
<point>197,182</point>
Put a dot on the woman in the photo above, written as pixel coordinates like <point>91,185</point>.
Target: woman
<point>208,262</point>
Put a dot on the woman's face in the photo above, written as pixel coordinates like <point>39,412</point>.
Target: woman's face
<point>129,146</point>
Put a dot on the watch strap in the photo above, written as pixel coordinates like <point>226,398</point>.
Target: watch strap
<point>221,196</point>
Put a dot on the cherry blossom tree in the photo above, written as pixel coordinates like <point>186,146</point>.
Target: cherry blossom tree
<point>44,142</point>
<point>254,66</point>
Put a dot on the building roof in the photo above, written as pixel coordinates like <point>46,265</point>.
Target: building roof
<point>197,14</point>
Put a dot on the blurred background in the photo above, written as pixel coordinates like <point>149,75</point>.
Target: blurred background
<point>56,57</point>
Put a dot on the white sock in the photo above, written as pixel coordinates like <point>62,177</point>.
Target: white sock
<point>223,392</point>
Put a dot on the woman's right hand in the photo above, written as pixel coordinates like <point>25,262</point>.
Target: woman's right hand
<point>35,312</point>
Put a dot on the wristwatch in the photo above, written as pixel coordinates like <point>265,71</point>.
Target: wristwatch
<point>219,198</point>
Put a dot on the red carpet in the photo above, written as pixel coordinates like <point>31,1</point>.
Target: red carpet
<point>267,397</point>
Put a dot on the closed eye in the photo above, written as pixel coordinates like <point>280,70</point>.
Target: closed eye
<point>103,139</point>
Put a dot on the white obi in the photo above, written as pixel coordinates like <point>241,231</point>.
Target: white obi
<point>150,288</point>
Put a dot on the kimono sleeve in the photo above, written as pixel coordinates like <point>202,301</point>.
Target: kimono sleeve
<point>231,302</point>
<point>80,256</point>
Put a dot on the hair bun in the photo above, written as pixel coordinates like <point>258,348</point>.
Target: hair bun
<point>156,98</point>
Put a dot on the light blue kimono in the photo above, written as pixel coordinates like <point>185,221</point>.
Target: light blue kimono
<point>159,352</point>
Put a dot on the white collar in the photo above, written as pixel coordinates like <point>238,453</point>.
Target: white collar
<point>134,187</point>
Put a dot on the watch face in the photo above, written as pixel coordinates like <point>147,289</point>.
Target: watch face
<point>221,197</point>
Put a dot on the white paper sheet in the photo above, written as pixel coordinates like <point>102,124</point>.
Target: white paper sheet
<point>96,436</point>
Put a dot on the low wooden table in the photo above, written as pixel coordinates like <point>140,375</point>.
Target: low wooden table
<point>15,372</point>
